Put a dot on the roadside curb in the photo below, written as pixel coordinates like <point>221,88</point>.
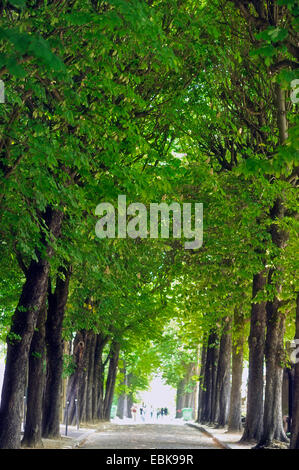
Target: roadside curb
<point>207,433</point>
<point>80,440</point>
<point>77,437</point>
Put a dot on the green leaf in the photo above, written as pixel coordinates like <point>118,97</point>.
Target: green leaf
<point>18,3</point>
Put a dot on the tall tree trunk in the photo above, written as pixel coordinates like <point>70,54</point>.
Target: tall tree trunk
<point>122,402</point>
<point>186,390</point>
<point>254,416</point>
<point>55,350</point>
<point>83,379</point>
<point>121,406</point>
<point>125,401</point>
<point>74,381</point>
<point>273,426</point>
<point>295,410</point>
<point>274,351</point>
<point>291,375</point>
<point>129,406</point>
<point>36,380</point>
<point>234,419</point>
<point>223,375</point>
<point>101,342</point>
<point>90,378</point>
<point>272,423</point>
<point>208,393</point>
<point>20,336</point>
<point>111,378</point>
<point>101,391</point>
<point>214,404</point>
<point>282,122</point>
<point>180,398</point>
<point>201,381</point>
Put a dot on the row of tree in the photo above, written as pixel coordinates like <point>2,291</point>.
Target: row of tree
<point>160,101</point>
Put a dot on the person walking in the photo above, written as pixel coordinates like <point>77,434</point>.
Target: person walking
<point>134,412</point>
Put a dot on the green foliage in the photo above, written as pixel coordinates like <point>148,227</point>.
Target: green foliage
<point>68,366</point>
<point>161,101</point>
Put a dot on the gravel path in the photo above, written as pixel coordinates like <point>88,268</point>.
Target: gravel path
<point>148,436</point>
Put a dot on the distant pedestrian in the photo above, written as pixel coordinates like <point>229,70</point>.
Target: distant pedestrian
<point>134,412</point>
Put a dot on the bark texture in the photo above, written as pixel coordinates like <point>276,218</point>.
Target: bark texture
<point>274,354</point>
<point>234,419</point>
<point>201,381</point>
<point>89,384</point>
<point>223,376</point>
<point>208,401</point>
<point>187,391</point>
<point>55,350</point>
<point>20,336</point>
<point>254,416</point>
<point>36,379</point>
<point>274,350</point>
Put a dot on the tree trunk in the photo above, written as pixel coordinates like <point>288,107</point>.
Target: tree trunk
<point>179,399</point>
<point>75,379</point>
<point>101,341</point>
<point>90,378</point>
<point>272,423</point>
<point>291,375</point>
<point>101,390</point>
<point>129,406</point>
<point>282,122</point>
<point>20,336</point>
<point>121,406</point>
<point>82,382</point>
<point>273,426</point>
<point>285,392</point>
<point>223,375</point>
<point>295,410</point>
<point>234,420</point>
<point>201,381</point>
<point>110,382</point>
<point>186,392</point>
<point>214,404</point>
<point>36,380</point>
<point>87,383</point>
<point>274,351</point>
<point>254,416</point>
<point>122,402</point>
<point>55,351</point>
<point>208,393</point>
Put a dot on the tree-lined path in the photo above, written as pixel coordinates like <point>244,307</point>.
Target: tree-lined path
<point>148,436</point>
<point>119,121</point>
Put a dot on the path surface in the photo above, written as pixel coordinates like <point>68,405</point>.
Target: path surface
<point>148,436</point>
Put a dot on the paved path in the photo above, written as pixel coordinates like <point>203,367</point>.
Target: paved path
<point>148,436</point>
